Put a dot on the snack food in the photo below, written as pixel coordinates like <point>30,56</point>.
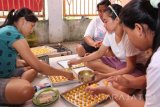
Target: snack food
<point>94,85</point>
<point>56,79</point>
<point>79,97</point>
<point>106,83</point>
<point>45,96</point>
<point>42,50</point>
<point>61,80</point>
<point>64,64</point>
<point>77,65</point>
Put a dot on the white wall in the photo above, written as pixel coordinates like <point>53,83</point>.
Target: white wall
<point>63,30</point>
<point>56,24</point>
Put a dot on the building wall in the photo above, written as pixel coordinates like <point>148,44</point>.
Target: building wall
<point>73,30</point>
<point>42,31</point>
<point>63,30</point>
<point>56,24</point>
<point>76,29</point>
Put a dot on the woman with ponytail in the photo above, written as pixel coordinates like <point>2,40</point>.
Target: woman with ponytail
<point>141,21</point>
<point>18,25</point>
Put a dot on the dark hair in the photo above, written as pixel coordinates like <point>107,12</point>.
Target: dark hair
<point>23,12</point>
<point>156,41</point>
<point>103,2</point>
<point>116,8</point>
<point>141,11</point>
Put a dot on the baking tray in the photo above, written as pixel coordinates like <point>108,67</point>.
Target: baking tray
<point>79,98</point>
<point>61,80</point>
<point>64,64</point>
<point>43,50</point>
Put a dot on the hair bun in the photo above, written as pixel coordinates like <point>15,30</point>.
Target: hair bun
<point>155,3</point>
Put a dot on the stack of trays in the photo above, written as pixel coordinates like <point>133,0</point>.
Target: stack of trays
<point>80,98</point>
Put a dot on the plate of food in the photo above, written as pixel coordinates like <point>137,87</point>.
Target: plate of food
<point>45,96</point>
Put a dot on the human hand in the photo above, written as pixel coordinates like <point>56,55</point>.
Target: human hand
<point>73,62</point>
<point>99,89</point>
<point>97,44</point>
<point>124,80</point>
<point>21,63</point>
<point>98,76</point>
<point>87,54</point>
<point>69,75</point>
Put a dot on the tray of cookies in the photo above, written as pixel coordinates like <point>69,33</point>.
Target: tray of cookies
<point>43,50</point>
<point>80,98</point>
<point>61,80</point>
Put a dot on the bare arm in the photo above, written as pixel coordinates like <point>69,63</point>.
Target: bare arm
<point>21,63</point>
<point>24,50</point>
<point>95,55</point>
<point>136,82</point>
<point>91,42</point>
<point>123,99</point>
<point>129,81</point>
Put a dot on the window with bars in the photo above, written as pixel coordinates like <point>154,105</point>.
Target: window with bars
<point>79,7</point>
<point>82,7</point>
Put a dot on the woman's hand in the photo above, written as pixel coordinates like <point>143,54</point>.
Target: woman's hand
<point>124,80</point>
<point>98,76</point>
<point>97,44</point>
<point>69,75</point>
<point>99,89</point>
<point>73,62</point>
<point>96,90</point>
<point>21,63</point>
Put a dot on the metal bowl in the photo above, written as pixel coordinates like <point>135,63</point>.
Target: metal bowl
<point>86,76</point>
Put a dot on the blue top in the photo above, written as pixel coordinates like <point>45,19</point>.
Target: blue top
<point>8,55</point>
